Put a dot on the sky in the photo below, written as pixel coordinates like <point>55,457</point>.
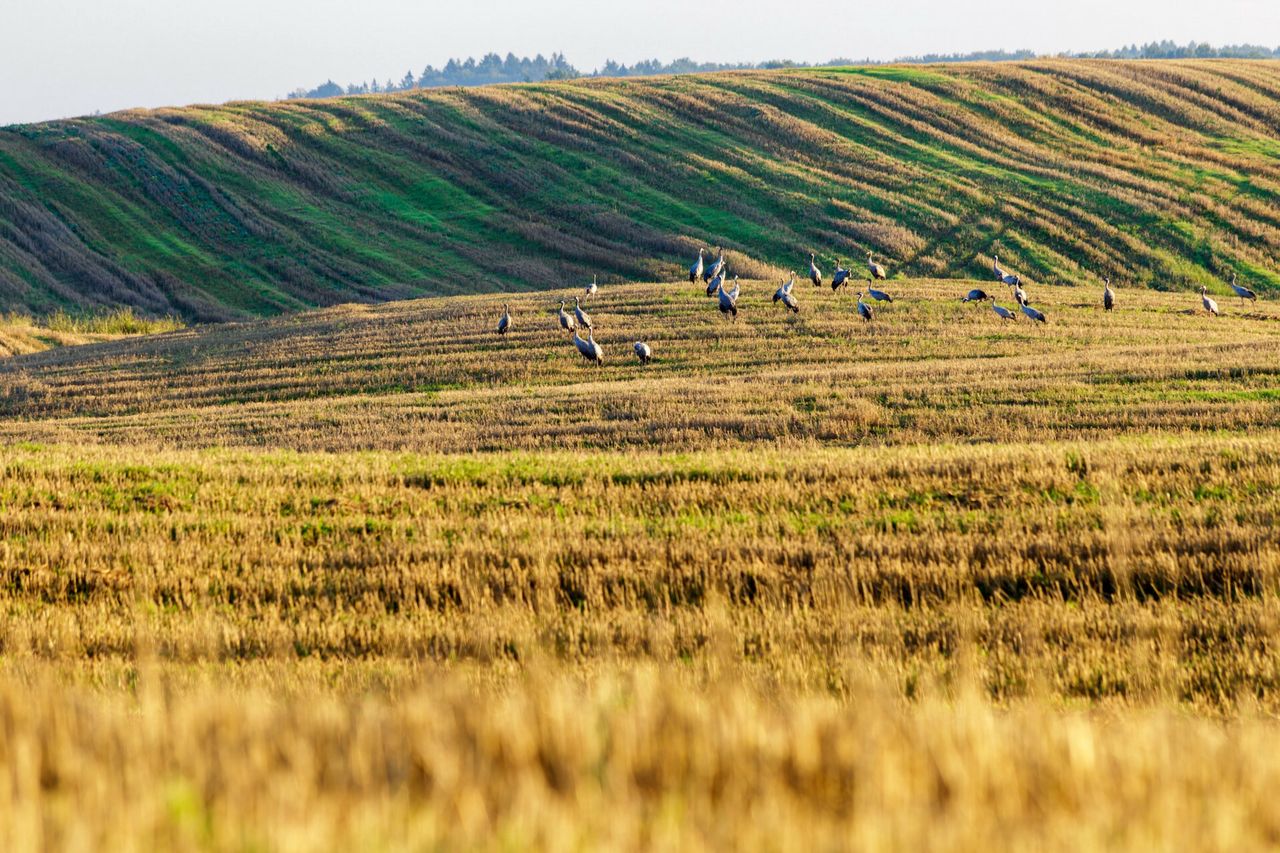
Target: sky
<point>62,58</point>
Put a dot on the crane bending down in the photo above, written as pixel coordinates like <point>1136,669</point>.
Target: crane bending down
<point>1001,312</point>
<point>1033,314</point>
<point>877,295</point>
<point>643,352</point>
<point>975,295</point>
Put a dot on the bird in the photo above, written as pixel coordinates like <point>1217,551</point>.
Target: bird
<point>1033,314</point>
<point>643,352</point>
<point>1243,292</point>
<point>716,268</point>
<point>815,274</point>
<point>504,322</point>
<point>580,315</point>
<point>1002,312</point>
<point>695,271</point>
<point>714,286</point>
<point>975,295</point>
<point>1019,295</point>
<point>783,295</point>
<point>1108,296</point>
<point>567,322</point>
<point>729,300</point>
<point>1209,305</point>
<point>592,288</point>
<point>1001,275</point>
<point>877,271</point>
<point>877,295</point>
<point>590,350</point>
<point>839,277</point>
<point>865,310</point>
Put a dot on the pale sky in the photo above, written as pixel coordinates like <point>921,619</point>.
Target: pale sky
<point>70,57</point>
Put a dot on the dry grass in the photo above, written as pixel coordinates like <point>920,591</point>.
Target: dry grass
<point>933,583</point>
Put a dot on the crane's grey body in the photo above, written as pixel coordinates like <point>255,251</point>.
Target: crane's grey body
<point>590,350</point>
<point>729,300</point>
<point>877,295</point>
<point>1002,276</point>
<point>714,286</point>
<point>695,271</point>
<point>504,322</point>
<point>839,277</point>
<point>865,311</point>
<point>875,269</point>
<point>1108,296</point>
<point>1019,295</point>
<point>643,352</point>
<point>815,274</point>
<point>1241,291</point>
<point>580,315</point>
<point>1001,312</point>
<point>975,295</point>
<point>1209,305</point>
<point>715,269</point>
<point>566,320</point>
<point>1033,314</point>
<point>785,296</point>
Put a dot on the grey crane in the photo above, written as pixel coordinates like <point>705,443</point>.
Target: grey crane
<point>713,287</point>
<point>593,287</point>
<point>716,268</point>
<point>1002,276</point>
<point>695,271</point>
<point>590,350</point>
<point>1108,295</point>
<point>1033,314</point>
<point>580,315</point>
<point>1243,292</point>
<point>504,322</point>
<point>815,274</point>
<point>729,300</point>
<point>875,269</point>
<point>839,277</point>
<point>1209,305</point>
<point>1001,312</point>
<point>567,322</point>
<point>975,295</point>
<point>784,295</point>
<point>643,352</point>
<point>877,295</point>
<point>864,310</point>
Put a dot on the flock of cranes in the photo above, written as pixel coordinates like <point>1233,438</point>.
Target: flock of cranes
<point>715,276</point>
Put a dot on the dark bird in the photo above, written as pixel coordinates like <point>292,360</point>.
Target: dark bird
<point>714,286</point>
<point>877,295</point>
<point>975,295</point>
<point>1108,296</point>
<point>839,277</point>
<point>864,310</point>
<point>729,300</point>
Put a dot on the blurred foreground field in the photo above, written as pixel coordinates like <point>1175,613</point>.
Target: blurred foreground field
<point>373,577</point>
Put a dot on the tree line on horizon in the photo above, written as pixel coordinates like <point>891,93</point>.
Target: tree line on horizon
<point>493,68</point>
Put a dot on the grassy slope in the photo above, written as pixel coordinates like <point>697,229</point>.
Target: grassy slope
<point>1161,173</point>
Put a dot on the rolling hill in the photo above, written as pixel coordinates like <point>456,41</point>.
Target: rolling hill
<point>1162,174</point>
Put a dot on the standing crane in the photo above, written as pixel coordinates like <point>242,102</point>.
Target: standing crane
<point>1019,295</point>
<point>815,274</point>
<point>590,350</point>
<point>1241,291</point>
<point>875,269</point>
<point>729,300</point>
<point>713,287</point>
<point>643,352</point>
<point>1209,305</point>
<point>783,295</point>
<point>593,287</point>
<point>504,322</point>
<point>1001,312</point>
<point>864,310</point>
<point>877,295</point>
<point>1108,295</point>
<point>839,277</point>
<point>567,322</point>
<point>1033,314</point>
<point>695,271</point>
<point>580,315</point>
<point>715,269</point>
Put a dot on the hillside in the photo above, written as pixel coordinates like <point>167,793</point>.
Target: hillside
<point>1164,174</point>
